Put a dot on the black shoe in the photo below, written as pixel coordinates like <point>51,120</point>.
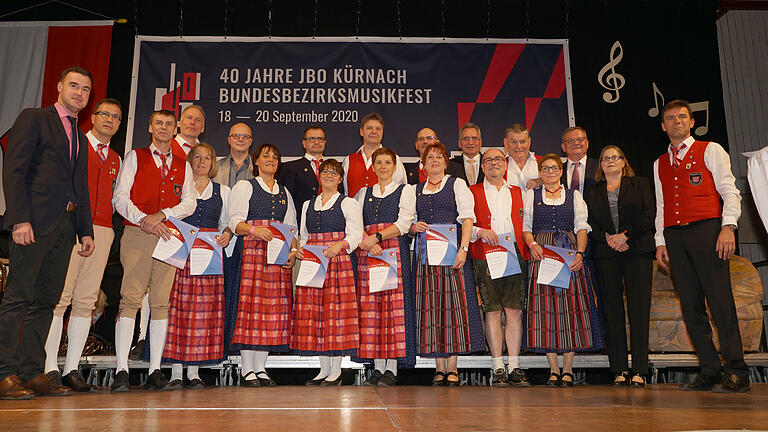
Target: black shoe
<point>439,379</point>
<point>157,381</point>
<point>388,379</point>
<point>554,380</point>
<point>701,383</point>
<point>55,377</point>
<point>566,383</point>
<point>373,380</point>
<point>622,379</point>
<point>176,384</point>
<point>499,378</point>
<point>196,383</point>
<point>326,383</point>
<point>449,383</point>
<point>121,382</point>
<point>265,380</point>
<point>637,381</point>
<point>138,351</point>
<point>76,382</point>
<point>732,383</point>
<point>314,382</point>
<point>249,383</point>
<point>517,378</point>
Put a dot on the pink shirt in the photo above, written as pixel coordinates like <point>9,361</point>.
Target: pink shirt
<point>63,114</point>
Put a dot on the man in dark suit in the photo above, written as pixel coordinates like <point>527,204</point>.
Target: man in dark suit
<point>575,145</point>
<point>467,166</point>
<point>414,172</point>
<point>300,176</point>
<point>46,191</point>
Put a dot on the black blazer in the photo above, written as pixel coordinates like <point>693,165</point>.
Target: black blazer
<point>589,174</point>
<point>456,169</point>
<point>637,211</point>
<point>299,178</point>
<point>412,173</point>
<point>37,177</point>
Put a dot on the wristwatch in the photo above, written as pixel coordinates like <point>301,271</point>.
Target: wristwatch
<point>465,248</point>
<point>378,237</point>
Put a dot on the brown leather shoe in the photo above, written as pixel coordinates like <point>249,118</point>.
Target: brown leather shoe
<point>42,386</point>
<point>11,389</point>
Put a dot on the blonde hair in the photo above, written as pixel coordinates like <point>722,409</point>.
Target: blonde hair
<point>214,169</point>
<point>627,171</point>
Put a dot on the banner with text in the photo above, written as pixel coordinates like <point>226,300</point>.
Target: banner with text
<point>279,86</point>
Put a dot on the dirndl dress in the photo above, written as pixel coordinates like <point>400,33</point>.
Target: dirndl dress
<point>196,317</point>
<point>448,318</point>
<point>387,318</point>
<point>560,320</point>
<point>263,291</point>
<point>325,320</point>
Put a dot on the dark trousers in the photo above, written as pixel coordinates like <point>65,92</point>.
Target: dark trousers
<point>33,288</point>
<point>700,275</point>
<point>632,273</point>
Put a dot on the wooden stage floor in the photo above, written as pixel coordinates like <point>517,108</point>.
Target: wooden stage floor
<point>656,408</point>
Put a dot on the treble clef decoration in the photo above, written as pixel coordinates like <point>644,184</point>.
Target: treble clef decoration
<point>612,81</point>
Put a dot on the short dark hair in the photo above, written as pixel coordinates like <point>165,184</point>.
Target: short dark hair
<point>76,69</point>
<point>551,156</point>
<point>436,146</point>
<point>372,116</point>
<point>571,129</point>
<point>383,151</point>
<point>677,103</point>
<point>310,127</point>
<point>162,112</point>
<point>333,164</point>
<point>470,125</point>
<point>110,101</point>
<point>261,149</point>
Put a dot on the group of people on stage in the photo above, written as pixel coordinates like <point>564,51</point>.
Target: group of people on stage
<point>60,182</point>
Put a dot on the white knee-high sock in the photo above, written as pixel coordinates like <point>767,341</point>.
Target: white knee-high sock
<point>123,338</point>
<point>260,361</point>
<point>177,371</point>
<point>392,366</point>
<point>247,358</point>
<point>77,335</point>
<point>52,344</point>
<point>380,364</point>
<point>325,367</point>
<point>157,331</point>
<point>335,368</point>
<point>193,372</point>
<point>144,316</point>
<point>514,363</point>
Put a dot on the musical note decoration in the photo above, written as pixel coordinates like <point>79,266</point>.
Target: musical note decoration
<point>613,81</point>
<point>655,110</point>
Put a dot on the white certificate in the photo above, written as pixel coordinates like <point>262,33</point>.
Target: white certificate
<point>382,271</point>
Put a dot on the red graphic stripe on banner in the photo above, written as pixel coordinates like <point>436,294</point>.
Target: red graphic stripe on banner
<point>86,46</point>
<point>504,58</point>
<point>531,108</point>
<point>556,85</point>
<point>465,112</point>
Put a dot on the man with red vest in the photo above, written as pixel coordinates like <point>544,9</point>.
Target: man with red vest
<point>498,210</point>
<point>154,183</point>
<point>415,171</point>
<point>697,208</point>
<point>522,164</point>
<point>81,286</point>
<point>191,126</point>
<point>358,167</point>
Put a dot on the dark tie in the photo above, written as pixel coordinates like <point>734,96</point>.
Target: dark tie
<point>73,142</point>
<point>576,177</point>
<point>100,151</point>
<point>163,167</point>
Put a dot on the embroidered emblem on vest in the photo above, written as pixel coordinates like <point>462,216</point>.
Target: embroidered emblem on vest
<point>695,178</point>
<point>177,189</point>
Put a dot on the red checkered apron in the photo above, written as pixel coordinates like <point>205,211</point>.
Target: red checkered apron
<point>264,308</point>
<point>382,314</point>
<point>196,318</point>
<point>325,319</point>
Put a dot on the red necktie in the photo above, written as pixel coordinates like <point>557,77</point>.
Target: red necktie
<point>422,174</point>
<point>100,151</point>
<point>317,163</point>
<point>163,167</point>
<point>188,146</point>
<point>677,151</point>
<point>576,177</point>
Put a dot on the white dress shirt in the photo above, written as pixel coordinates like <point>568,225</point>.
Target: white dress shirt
<point>500,205</point>
<point>580,211</point>
<point>312,160</point>
<point>122,196</point>
<point>520,177</point>
<point>465,201</point>
<point>181,141</point>
<point>757,174</point>
<point>354,227</point>
<point>241,197</point>
<point>582,172</point>
<point>399,175</point>
<point>407,205</point>
<point>719,164</point>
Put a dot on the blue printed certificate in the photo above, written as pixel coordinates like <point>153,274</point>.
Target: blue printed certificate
<point>313,267</point>
<point>442,246</point>
<point>279,248</point>
<point>206,258</point>
<point>382,271</point>
<point>175,250</point>
<point>553,269</point>
<point>502,258</point>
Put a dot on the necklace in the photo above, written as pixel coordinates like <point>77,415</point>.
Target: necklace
<point>553,191</point>
<point>434,184</point>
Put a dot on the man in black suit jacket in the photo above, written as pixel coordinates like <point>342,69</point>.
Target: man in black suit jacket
<point>300,176</point>
<point>414,171</point>
<point>470,144</point>
<point>575,145</point>
<point>46,191</point>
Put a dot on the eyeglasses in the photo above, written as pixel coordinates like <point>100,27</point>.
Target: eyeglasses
<point>470,138</point>
<point>426,138</point>
<point>614,158</point>
<point>552,168</point>
<point>493,160</point>
<point>107,115</point>
<point>240,136</point>
<point>518,142</point>
<point>314,139</point>
<point>573,141</point>
<point>330,172</point>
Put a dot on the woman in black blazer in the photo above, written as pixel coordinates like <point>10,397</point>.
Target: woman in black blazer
<point>621,214</point>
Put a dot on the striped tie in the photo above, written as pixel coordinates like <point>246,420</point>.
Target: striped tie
<point>163,167</point>
<point>677,151</point>
<point>317,163</point>
<point>100,150</point>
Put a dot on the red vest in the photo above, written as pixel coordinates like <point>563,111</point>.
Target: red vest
<point>689,190</point>
<point>483,217</point>
<point>151,192</point>
<point>101,184</point>
<point>357,176</point>
<point>177,149</point>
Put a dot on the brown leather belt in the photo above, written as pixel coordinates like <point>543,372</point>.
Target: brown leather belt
<point>71,206</point>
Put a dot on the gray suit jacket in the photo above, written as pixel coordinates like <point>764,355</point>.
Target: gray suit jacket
<point>222,176</point>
